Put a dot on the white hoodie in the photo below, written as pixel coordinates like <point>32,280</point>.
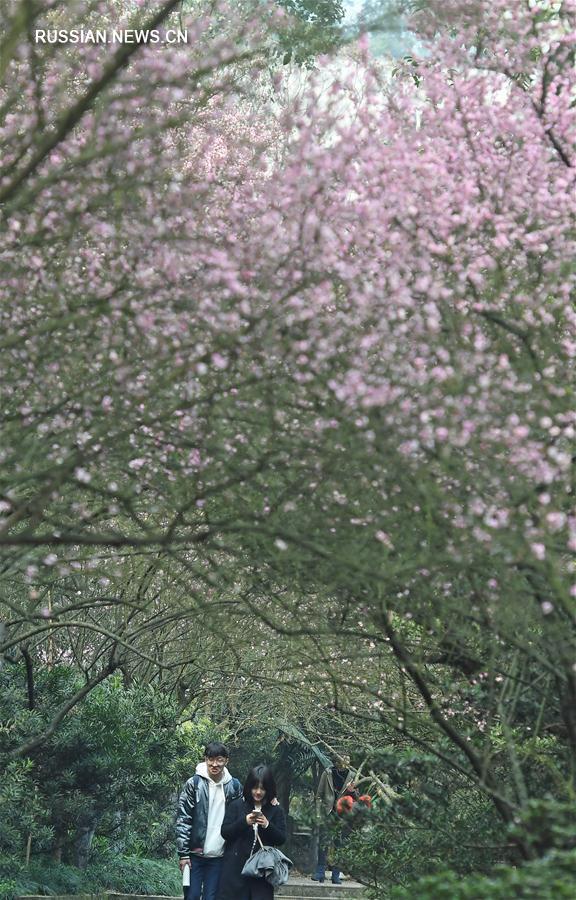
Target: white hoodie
<point>214,843</point>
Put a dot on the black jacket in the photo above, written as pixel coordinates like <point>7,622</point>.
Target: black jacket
<point>192,817</point>
<point>239,839</point>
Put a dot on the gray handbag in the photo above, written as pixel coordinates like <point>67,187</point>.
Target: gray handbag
<point>268,863</point>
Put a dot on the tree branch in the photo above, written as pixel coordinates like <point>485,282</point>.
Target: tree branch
<point>38,739</point>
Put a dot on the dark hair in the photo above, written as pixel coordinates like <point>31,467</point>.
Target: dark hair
<point>260,775</point>
<point>215,748</point>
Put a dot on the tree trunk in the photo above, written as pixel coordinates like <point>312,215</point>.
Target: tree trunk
<point>284,787</point>
<point>58,847</point>
<point>83,841</point>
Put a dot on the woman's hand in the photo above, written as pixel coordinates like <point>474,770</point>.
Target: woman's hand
<point>252,818</point>
<point>262,820</point>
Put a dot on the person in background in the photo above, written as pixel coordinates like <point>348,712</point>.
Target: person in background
<point>334,783</point>
<point>256,812</point>
<point>201,810</point>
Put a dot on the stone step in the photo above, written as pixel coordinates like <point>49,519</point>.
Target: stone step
<point>306,889</point>
<point>330,892</point>
<point>298,888</point>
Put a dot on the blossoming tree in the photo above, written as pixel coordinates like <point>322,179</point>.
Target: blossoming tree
<point>325,345</point>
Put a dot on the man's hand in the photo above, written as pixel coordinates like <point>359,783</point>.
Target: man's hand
<point>185,861</point>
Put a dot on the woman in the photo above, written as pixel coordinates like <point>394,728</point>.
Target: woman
<point>252,814</point>
<point>336,782</point>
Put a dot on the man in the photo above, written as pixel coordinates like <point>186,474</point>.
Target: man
<point>334,783</point>
<point>200,814</point>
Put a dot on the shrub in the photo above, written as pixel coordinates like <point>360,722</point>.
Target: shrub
<point>550,878</point>
<point>126,874</point>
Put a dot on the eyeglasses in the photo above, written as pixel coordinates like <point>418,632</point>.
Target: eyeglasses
<point>218,762</point>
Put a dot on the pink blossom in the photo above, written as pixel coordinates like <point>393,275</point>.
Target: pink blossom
<point>539,550</point>
<point>385,539</point>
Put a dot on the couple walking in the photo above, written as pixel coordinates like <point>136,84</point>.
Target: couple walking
<point>217,826</point>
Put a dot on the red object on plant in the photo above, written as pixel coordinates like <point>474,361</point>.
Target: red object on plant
<point>366,799</point>
<point>344,804</point>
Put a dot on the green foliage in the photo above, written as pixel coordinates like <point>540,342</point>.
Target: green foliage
<point>549,878</point>
<point>198,732</point>
<point>301,751</point>
<point>111,768</point>
<point>118,755</point>
<point>21,810</point>
<point>439,821</point>
<point>316,12</point>
<point>129,874</point>
<point>443,840</point>
<point>314,29</point>
<point>428,828</point>
<point>548,824</point>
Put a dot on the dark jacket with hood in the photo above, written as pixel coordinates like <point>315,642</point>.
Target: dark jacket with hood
<point>192,816</point>
<point>239,837</point>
